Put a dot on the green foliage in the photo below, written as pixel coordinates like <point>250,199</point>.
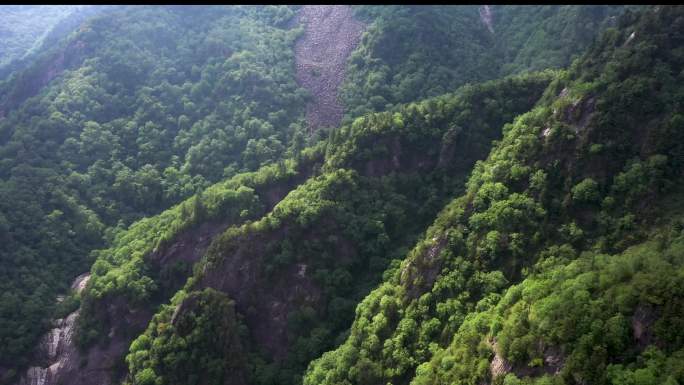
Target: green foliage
<point>531,38</point>
<point>194,341</point>
<point>455,304</point>
<point>347,224</point>
<point>409,53</point>
<point>413,52</point>
<point>586,191</point>
<point>542,259</point>
<point>583,316</point>
<point>134,121</point>
<point>127,270</point>
<point>24,27</point>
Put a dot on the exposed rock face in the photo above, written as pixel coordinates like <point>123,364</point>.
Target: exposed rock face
<point>37,78</point>
<point>629,39</point>
<point>80,282</point>
<point>241,276</point>
<point>383,166</point>
<point>331,33</point>
<point>37,376</point>
<point>554,359</point>
<point>190,246</point>
<point>399,158</point>
<point>585,109</point>
<point>499,366</point>
<point>58,360</point>
<point>427,265</point>
<point>486,17</point>
<point>578,114</point>
<point>56,351</point>
<point>642,325</point>
<point>103,364</point>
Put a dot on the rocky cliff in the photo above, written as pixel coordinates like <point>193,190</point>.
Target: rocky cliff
<point>57,352</point>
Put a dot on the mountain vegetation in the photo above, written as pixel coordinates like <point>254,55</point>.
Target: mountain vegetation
<point>500,205</point>
<point>413,52</point>
<point>140,124</point>
<point>24,28</point>
<point>345,226</point>
<point>541,264</point>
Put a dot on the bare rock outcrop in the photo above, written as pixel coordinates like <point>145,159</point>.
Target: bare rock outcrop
<point>239,273</point>
<point>57,360</point>
<point>80,282</point>
<point>43,73</point>
<point>56,351</point>
<point>554,359</point>
<point>486,17</point>
<point>499,366</point>
<point>427,266</point>
<point>643,320</point>
<point>330,35</point>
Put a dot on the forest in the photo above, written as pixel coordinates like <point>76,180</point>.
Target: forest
<point>500,204</point>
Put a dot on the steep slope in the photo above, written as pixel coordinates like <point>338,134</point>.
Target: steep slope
<point>52,31</point>
<point>600,318</point>
<point>23,28</point>
<point>588,171</point>
<point>327,243</point>
<point>548,36</point>
<point>148,263</point>
<point>413,52</point>
<point>56,351</point>
<point>122,123</point>
<point>115,124</point>
<point>330,35</point>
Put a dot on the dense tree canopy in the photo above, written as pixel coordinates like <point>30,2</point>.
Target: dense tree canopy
<point>181,99</point>
<point>531,270</point>
<point>501,203</point>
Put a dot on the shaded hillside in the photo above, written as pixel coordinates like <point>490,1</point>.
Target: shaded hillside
<point>413,52</point>
<point>22,28</point>
<point>130,122</point>
<point>327,243</point>
<point>528,276</point>
<point>149,262</point>
<point>113,124</point>
<point>164,149</point>
<point>52,37</point>
<point>550,36</point>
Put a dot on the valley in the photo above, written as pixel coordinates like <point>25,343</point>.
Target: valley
<point>261,195</point>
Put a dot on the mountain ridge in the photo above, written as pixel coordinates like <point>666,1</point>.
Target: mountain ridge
<point>579,162</point>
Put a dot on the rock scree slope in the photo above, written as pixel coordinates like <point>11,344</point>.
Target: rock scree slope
<point>330,35</point>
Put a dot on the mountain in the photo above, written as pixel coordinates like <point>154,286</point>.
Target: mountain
<point>30,31</point>
<point>96,136</point>
<point>561,263</point>
<point>413,52</point>
<point>25,26</point>
<point>352,195</point>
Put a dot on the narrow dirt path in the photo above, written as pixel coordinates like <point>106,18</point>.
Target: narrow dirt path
<point>331,34</point>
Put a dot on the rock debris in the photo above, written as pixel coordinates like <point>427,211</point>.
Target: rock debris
<point>330,35</point>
